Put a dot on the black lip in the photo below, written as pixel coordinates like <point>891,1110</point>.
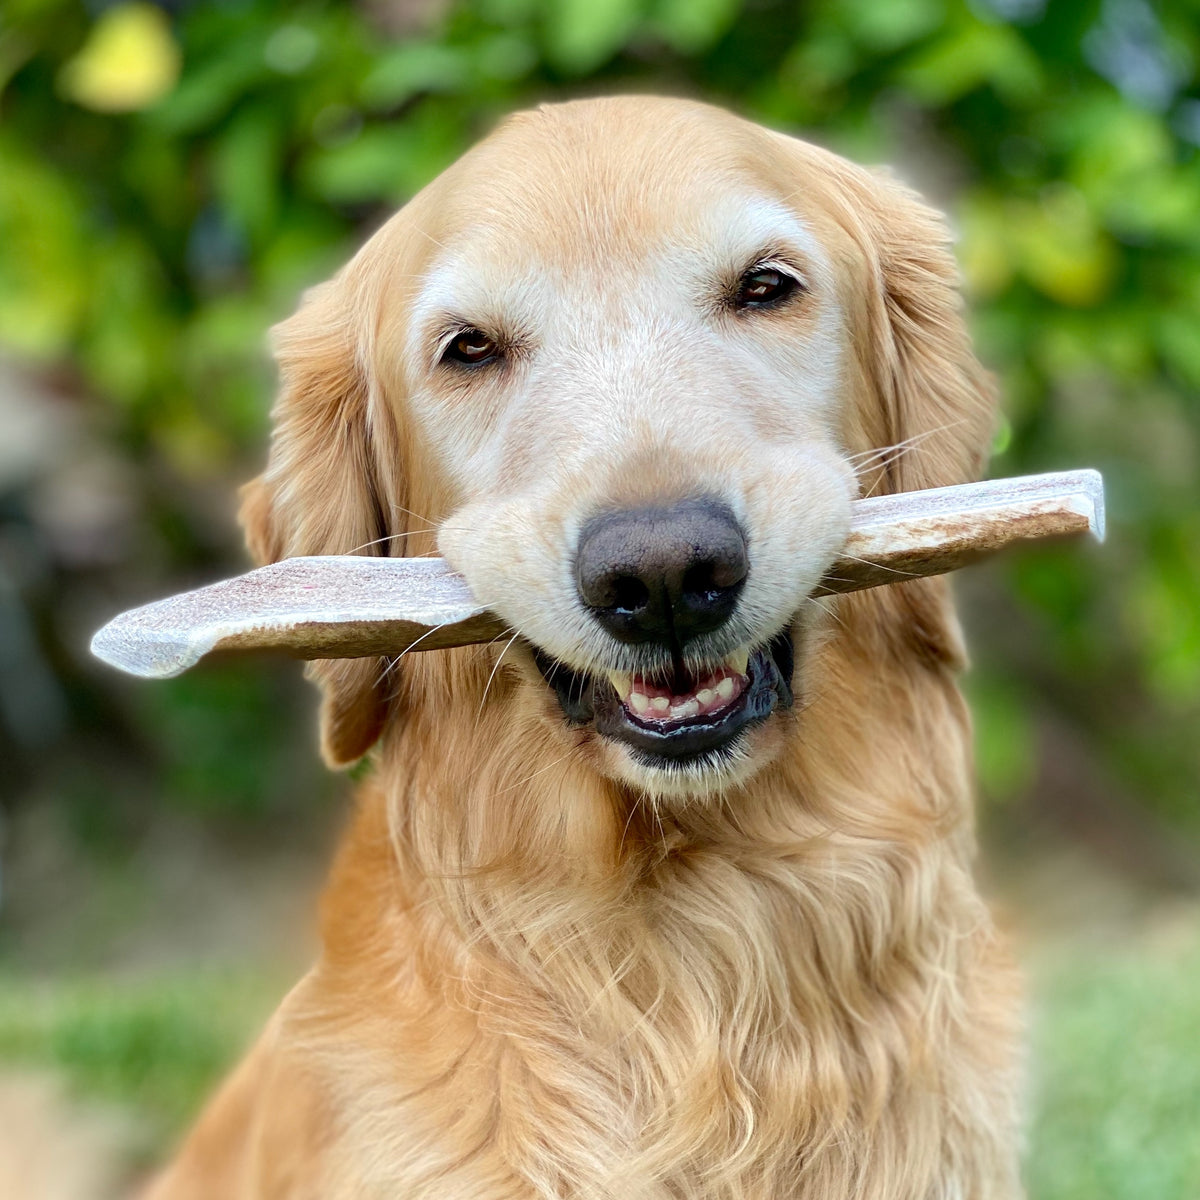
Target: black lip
<point>586,699</point>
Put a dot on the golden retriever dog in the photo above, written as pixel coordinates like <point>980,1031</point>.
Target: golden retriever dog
<point>668,894</point>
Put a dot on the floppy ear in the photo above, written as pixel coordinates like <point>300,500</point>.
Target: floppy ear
<point>925,405</point>
<point>935,401</point>
<point>327,487</point>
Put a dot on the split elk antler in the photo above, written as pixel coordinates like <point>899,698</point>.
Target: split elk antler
<point>349,606</point>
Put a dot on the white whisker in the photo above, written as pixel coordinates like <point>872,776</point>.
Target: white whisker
<point>495,668</point>
<point>540,771</point>
<point>866,562</point>
<point>387,537</point>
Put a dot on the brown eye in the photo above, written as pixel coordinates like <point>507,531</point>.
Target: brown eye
<point>762,287</point>
<point>472,347</point>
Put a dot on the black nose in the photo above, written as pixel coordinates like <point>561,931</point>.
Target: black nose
<point>662,575</point>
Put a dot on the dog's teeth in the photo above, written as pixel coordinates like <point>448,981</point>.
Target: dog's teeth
<point>622,682</point>
<point>660,704</point>
<point>705,696</point>
<point>689,708</point>
<point>738,661</point>
<point>725,687</point>
<point>638,702</point>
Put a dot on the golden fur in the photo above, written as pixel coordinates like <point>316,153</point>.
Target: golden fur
<point>548,971</point>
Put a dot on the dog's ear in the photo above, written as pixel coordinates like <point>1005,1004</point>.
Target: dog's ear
<point>325,488</point>
<point>925,408</point>
<point>935,403</point>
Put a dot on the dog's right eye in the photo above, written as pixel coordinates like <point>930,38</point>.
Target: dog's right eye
<point>764,287</point>
<point>472,347</point>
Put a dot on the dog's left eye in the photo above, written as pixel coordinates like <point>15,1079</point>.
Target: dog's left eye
<point>472,347</point>
<point>763,287</point>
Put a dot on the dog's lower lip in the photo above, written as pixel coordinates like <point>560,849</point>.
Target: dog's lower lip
<point>681,736</point>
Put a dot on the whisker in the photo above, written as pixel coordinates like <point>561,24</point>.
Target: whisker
<point>826,609</point>
<point>409,512</point>
<point>412,646</point>
<point>388,664</point>
<point>495,668</point>
<point>878,451</point>
<point>628,820</point>
<point>387,537</point>
<point>540,771</point>
<point>886,455</point>
<point>481,647</point>
<point>866,562</point>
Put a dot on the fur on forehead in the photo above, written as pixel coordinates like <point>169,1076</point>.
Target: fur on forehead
<point>600,181</point>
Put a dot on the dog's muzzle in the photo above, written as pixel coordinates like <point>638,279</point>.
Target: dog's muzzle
<point>697,715</point>
<point>664,577</point>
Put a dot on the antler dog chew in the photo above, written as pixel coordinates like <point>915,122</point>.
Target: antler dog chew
<point>350,606</point>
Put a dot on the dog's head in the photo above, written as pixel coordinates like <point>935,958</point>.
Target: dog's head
<point>626,364</point>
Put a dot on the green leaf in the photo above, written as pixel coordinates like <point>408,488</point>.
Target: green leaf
<point>973,56</point>
<point>1163,611</point>
<point>580,35</point>
<point>209,89</point>
<point>1179,341</point>
<point>130,335</point>
<point>692,25</point>
<point>985,248</point>
<point>506,57</point>
<point>1062,250</point>
<point>383,163</point>
<point>44,289</point>
<point>246,168</point>
<point>887,27</point>
<point>414,67</point>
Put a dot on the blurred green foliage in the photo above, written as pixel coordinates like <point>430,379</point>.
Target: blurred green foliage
<point>171,177</point>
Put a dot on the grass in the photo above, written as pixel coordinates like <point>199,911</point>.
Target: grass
<point>1116,1068</point>
<point>155,1045</point>
<point>1115,1056</point>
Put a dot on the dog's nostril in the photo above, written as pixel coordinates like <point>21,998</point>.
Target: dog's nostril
<point>662,575</point>
<point>704,580</point>
<point>629,594</point>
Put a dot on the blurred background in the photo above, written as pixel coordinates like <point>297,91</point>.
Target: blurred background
<point>171,177</point>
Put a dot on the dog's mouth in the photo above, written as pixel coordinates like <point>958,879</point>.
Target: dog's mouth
<point>694,715</point>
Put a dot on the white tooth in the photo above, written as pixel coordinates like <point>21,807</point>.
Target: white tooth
<point>638,702</point>
<point>705,696</point>
<point>660,704</point>
<point>725,687</point>
<point>738,661</point>
<point>689,708</point>
<point>622,681</point>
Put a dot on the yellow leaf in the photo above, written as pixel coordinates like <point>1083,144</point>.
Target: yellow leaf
<point>129,61</point>
<point>1063,251</point>
<point>983,248</point>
